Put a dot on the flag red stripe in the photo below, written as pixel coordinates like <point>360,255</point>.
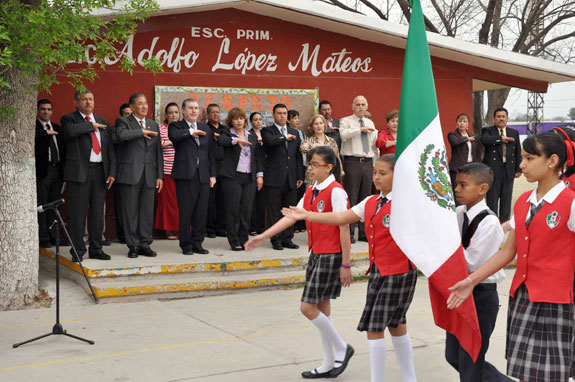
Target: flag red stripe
<point>461,322</point>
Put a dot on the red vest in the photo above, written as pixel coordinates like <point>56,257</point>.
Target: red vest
<point>322,238</point>
<point>545,251</point>
<point>570,182</point>
<point>383,251</point>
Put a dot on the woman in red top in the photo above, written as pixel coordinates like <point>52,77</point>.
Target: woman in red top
<point>541,317</point>
<point>167,215</point>
<point>386,138</point>
<point>392,277</point>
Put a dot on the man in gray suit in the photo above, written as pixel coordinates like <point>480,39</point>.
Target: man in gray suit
<point>140,172</point>
<point>332,128</point>
<point>89,171</point>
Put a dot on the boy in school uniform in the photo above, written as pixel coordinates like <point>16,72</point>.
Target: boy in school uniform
<point>481,236</point>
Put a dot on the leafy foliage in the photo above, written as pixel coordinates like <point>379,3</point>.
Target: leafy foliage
<point>43,37</point>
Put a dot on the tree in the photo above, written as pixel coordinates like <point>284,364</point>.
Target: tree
<point>572,114</point>
<point>534,27</point>
<point>38,40</point>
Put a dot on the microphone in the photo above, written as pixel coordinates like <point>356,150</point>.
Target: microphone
<point>50,205</point>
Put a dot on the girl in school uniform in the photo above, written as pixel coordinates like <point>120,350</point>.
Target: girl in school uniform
<point>541,317</point>
<point>328,267</point>
<point>392,277</point>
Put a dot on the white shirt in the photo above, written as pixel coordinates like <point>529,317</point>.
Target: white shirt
<point>549,197</point>
<point>469,152</point>
<point>359,208</point>
<point>193,128</point>
<point>141,122</point>
<point>350,133</point>
<point>48,126</point>
<point>484,243</point>
<point>93,156</point>
<point>338,195</point>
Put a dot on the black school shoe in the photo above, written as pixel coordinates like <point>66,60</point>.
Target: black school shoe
<point>148,252</point>
<point>338,370</point>
<point>314,374</point>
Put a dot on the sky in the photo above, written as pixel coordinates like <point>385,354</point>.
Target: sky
<point>558,100</point>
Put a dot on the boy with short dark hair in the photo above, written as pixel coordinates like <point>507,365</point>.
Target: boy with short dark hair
<point>481,236</point>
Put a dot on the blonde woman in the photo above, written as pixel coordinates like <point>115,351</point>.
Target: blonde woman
<point>316,137</point>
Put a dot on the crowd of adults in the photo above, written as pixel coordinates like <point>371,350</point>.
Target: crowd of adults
<point>191,179</point>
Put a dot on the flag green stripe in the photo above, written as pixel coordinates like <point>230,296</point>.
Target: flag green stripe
<point>418,103</point>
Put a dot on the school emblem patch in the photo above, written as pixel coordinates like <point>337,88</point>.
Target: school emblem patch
<point>433,177</point>
<point>385,221</point>
<point>553,219</point>
<point>320,206</point>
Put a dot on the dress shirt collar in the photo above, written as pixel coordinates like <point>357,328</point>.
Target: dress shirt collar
<point>549,197</point>
<point>192,125</point>
<point>141,121</point>
<point>388,196</point>
<point>357,118</point>
<point>246,132</point>
<point>325,183</point>
<point>44,123</point>
<point>280,127</point>
<point>476,209</point>
<point>92,119</point>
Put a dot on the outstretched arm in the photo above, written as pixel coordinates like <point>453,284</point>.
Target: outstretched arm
<point>280,226</point>
<point>331,218</point>
<point>461,291</point>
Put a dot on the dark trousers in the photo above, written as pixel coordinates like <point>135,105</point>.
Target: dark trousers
<point>118,209</point>
<point>84,196</point>
<point>137,207</point>
<point>240,193</point>
<point>216,222</point>
<point>499,195</point>
<point>258,222</point>
<point>487,305</point>
<point>276,198</point>
<point>193,199</point>
<point>357,182</point>
<point>48,190</point>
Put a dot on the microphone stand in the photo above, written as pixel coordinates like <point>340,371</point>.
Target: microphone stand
<point>58,329</point>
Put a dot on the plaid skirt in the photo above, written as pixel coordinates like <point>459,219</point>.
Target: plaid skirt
<point>540,339</point>
<point>322,280</point>
<point>388,298</point>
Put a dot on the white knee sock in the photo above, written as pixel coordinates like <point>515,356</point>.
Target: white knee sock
<point>404,353</point>
<point>323,323</point>
<point>377,355</point>
<point>328,354</point>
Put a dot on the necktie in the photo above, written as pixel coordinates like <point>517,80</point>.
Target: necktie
<point>95,142</point>
<point>53,154</point>
<point>364,139</point>
<point>381,203</point>
<point>465,224</point>
<point>532,211</point>
<point>142,125</point>
<point>315,192</point>
<point>284,132</point>
<point>503,145</point>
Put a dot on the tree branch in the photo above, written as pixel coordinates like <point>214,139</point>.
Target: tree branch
<point>341,5</point>
<point>406,9</point>
<point>444,20</point>
<point>374,8</point>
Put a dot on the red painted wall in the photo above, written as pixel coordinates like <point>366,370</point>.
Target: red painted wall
<point>279,43</point>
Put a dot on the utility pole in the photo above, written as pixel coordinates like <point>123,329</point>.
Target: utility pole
<point>535,101</point>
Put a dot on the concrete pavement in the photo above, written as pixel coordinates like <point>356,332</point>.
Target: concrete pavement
<point>254,336</point>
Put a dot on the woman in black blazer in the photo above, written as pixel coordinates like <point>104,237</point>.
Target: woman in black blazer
<point>241,173</point>
<point>465,147</point>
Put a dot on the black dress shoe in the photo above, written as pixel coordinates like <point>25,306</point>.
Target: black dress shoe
<point>221,234</point>
<point>188,252</point>
<point>352,240</point>
<point>237,248</point>
<point>278,247</point>
<point>133,252</point>
<point>100,256</point>
<point>290,244</point>
<point>200,250</point>
<point>211,235</point>
<point>363,238</point>
<point>314,374</point>
<point>147,252</point>
<point>45,244</point>
<point>333,373</point>
<point>106,243</point>
<point>75,259</point>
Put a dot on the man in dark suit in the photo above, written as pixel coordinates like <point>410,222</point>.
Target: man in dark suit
<point>89,171</point>
<point>140,173</point>
<point>194,173</point>
<point>503,155</point>
<point>216,223</point>
<point>284,172</point>
<point>124,111</point>
<point>332,129</point>
<point>50,154</point>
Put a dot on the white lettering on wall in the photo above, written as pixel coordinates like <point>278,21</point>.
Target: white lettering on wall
<point>339,62</point>
<point>245,61</point>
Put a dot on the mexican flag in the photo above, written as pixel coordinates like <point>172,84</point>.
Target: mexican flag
<point>423,220</point>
